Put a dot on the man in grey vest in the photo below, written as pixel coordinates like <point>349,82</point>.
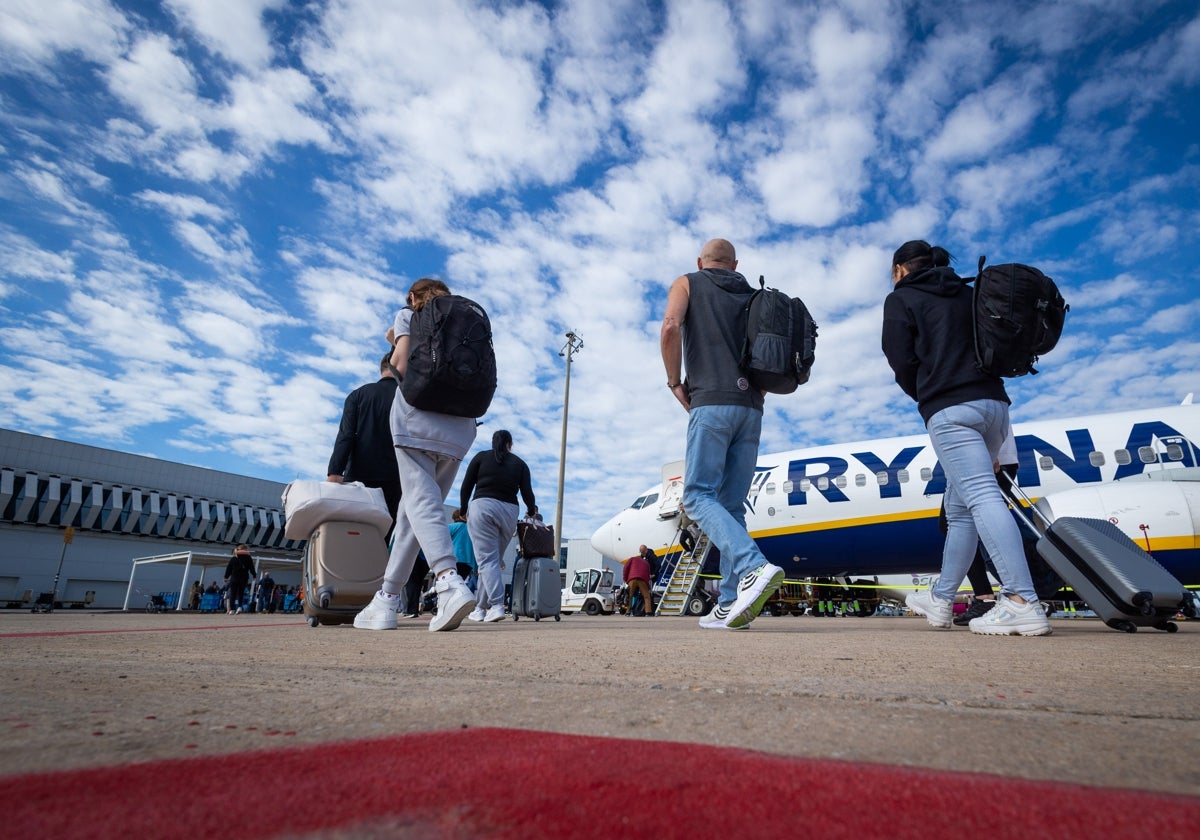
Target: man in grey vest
<point>703,331</point>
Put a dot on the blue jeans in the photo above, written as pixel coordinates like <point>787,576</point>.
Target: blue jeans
<point>967,438</point>
<point>722,451</point>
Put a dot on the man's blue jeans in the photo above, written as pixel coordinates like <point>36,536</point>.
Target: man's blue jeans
<point>722,451</point>
<point>967,438</point>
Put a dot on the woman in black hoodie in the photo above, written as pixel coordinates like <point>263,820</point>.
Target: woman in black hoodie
<point>928,339</point>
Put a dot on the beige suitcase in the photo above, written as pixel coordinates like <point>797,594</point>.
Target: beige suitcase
<point>343,569</point>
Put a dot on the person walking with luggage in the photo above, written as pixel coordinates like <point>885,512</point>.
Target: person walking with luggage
<point>636,575</point>
<point>928,341</point>
<point>363,450</point>
<point>703,331</point>
<point>488,501</point>
<point>430,447</point>
<point>238,572</point>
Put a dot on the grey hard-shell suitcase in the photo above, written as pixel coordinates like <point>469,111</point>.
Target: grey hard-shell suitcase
<point>536,589</point>
<point>344,564</point>
<point>1125,586</point>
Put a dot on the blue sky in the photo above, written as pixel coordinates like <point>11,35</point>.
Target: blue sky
<point>210,209</point>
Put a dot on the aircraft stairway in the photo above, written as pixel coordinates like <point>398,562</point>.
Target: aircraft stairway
<point>683,576</point>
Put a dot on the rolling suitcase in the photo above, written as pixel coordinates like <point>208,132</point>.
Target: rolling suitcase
<point>1125,586</point>
<point>343,569</point>
<point>536,589</point>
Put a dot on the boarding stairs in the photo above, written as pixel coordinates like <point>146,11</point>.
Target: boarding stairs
<point>683,577</point>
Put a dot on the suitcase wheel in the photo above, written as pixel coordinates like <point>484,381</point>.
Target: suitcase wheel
<point>559,618</point>
<point>313,621</point>
<point>1122,625</point>
<point>537,616</point>
<point>1144,601</point>
<point>1169,626</point>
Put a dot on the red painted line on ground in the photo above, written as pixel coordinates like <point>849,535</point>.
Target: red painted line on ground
<point>149,630</point>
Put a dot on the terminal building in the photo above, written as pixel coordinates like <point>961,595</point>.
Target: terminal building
<point>116,529</point>
<point>84,514</point>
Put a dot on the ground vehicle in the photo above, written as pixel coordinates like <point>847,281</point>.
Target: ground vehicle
<point>591,592</point>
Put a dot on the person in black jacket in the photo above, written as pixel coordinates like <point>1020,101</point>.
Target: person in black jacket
<point>929,342</point>
<point>364,450</point>
<point>495,478</point>
<point>238,572</point>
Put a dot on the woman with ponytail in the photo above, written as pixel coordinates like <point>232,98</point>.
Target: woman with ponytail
<point>928,338</point>
<point>495,478</point>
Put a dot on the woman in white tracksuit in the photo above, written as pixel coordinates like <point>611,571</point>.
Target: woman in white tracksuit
<point>429,448</point>
<point>495,478</point>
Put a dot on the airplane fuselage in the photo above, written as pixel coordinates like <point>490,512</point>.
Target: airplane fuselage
<point>871,508</point>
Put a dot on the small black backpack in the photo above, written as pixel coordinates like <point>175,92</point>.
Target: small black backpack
<point>781,340</point>
<point>1019,316</point>
<point>451,362</point>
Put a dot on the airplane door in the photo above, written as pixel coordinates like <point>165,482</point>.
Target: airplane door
<point>672,492</point>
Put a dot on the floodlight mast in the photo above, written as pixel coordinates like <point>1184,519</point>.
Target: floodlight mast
<point>574,344</point>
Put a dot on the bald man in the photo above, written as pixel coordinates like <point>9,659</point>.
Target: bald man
<point>703,331</point>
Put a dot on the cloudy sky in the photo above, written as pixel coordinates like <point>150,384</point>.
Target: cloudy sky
<point>210,209</point>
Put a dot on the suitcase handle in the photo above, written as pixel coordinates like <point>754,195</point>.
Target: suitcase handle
<point>1021,495</point>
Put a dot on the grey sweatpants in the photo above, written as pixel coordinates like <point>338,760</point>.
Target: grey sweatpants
<point>491,524</point>
<point>426,479</point>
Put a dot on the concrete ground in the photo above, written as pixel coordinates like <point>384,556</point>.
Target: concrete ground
<point>1087,704</point>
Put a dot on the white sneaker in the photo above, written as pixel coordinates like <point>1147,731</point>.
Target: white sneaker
<point>455,602</point>
<point>719,619</point>
<point>1008,618</point>
<point>753,591</point>
<point>937,612</point>
<point>476,614</point>
<point>495,613</point>
<point>380,614</point>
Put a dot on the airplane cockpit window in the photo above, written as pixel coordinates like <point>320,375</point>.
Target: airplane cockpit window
<point>902,476</point>
<point>1147,455</point>
<point>1174,452</point>
<point>1046,463</point>
<point>1096,459</point>
<point>1122,457</point>
<point>644,501</point>
<point>860,480</point>
<point>881,477</point>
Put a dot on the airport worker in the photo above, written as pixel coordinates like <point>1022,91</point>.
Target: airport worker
<point>363,450</point>
<point>636,575</point>
<point>430,447</point>
<point>928,341</point>
<point>464,550</point>
<point>238,572</point>
<point>194,595</point>
<point>703,331</point>
<point>490,487</point>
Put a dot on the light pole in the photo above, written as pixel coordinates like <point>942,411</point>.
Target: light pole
<point>574,344</point>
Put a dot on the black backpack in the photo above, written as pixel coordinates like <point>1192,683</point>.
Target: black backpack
<point>1019,316</point>
<point>781,339</point>
<point>451,363</point>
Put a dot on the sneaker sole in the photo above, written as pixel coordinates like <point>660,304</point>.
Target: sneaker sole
<point>1013,631</point>
<point>742,618</point>
<point>454,620</point>
<point>373,626</point>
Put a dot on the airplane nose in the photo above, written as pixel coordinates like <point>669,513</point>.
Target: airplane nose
<point>605,540</point>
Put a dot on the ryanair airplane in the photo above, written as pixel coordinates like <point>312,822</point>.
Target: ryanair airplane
<point>871,508</point>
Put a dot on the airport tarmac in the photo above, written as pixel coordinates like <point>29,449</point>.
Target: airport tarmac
<point>1086,704</point>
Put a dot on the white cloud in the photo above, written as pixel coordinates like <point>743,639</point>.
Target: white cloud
<point>233,28</point>
<point>34,32</point>
<point>990,120</point>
